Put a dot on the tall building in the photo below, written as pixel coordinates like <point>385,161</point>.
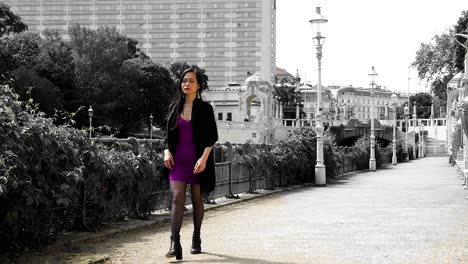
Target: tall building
<point>231,39</point>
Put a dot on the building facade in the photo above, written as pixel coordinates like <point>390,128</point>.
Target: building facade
<point>244,112</point>
<point>230,39</point>
<point>356,103</point>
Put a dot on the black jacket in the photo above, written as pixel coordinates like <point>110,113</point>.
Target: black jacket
<point>205,134</point>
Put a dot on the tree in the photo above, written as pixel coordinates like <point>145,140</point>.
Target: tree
<point>21,53</point>
<point>286,94</point>
<point>20,50</point>
<point>55,63</point>
<point>438,61</point>
<point>148,90</point>
<point>177,68</point>
<point>423,104</point>
<point>44,93</point>
<point>9,22</point>
<point>462,28</point>
<point>97,57</point>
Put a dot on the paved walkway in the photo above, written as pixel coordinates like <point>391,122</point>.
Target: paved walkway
<point>415,212</point>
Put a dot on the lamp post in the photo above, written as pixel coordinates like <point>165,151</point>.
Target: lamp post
<point>394,99</point>
<point>423,151</point>
<point>406,111</point>
<point>414,128</point>
<point>228,126</point>
<point>90,115</point>
<point>372,163</point>
<point>151,126</point>
<point>420,139</point>
<point>298,98</point>
<point>317,25</point>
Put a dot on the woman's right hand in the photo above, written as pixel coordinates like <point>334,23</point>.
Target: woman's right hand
<point>168,160</point>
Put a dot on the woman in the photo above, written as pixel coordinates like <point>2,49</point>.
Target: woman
<point>191,134</point>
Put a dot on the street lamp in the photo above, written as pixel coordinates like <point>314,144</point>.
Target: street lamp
<point>372,163</point>
<point>297,92</point>
<point>394,99</point>
<point>406,111</point>
<point>420,141</point>
<point>90,115</point>
<point>414,128</point>
<point>151,125</point>
<point>318,22</point>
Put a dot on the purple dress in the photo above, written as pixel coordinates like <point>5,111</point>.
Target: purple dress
<point>185,156</point>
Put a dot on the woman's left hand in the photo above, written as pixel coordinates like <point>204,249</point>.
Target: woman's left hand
<point>199,166</point>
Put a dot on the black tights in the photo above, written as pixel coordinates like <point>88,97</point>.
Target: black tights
<point>178,206</point>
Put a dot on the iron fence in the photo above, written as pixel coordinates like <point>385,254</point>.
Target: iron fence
<point>151,192</point>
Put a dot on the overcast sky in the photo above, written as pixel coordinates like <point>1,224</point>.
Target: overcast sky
<point>361,34</point>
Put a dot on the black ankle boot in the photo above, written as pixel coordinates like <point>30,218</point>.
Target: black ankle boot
<point>196,243</point>
<point>176,248</point>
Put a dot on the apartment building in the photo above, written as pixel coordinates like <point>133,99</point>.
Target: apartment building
<point>356,102</point>
<point>231,39</point>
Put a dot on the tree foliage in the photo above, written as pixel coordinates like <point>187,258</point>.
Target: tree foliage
<point>20,50</point>
<point>462,28</point>
<point>9,22</point>
<point>423,104</point>
<point>53,180</point>
<point>100,68</point>
<point>438,61</point>
<point>286,94</point>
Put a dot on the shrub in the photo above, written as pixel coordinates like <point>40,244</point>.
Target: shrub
<point>52,179</point>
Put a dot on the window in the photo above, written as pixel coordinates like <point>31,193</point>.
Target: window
<point>229,117</point>
<point>254,135</point>
<point>220,116</point>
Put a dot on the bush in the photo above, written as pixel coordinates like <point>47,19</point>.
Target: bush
<point>39,171</point>
<point>49,174</point>
<point>296,155</point>
<point>293,157</point>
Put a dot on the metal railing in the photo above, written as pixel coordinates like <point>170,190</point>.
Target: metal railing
<point>232,177</point>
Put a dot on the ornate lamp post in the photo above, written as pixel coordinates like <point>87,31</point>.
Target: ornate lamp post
<point>394,99</point>
<point>151,126</point>
<point>317,24</point>
<point>298,98</point>
<point>406,111</point>
<point>414,128</point>
<point>423,151</point>
<point>372,163</point>
<point>420,139</point>
<point>90,115</point>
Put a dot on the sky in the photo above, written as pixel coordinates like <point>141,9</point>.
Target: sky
<point>361,34</point>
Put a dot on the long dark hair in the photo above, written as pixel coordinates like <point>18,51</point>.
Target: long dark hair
<point>177,104</point>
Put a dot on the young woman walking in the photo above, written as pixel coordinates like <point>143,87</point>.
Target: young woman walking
<point>188,159</point>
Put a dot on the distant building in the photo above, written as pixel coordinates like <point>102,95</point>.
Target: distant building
<point>356,103</point>
<point>243,112</point>
<point>230,39</point>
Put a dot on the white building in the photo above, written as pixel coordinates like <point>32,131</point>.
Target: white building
<point>356,103</point>
<point>244,112</point>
